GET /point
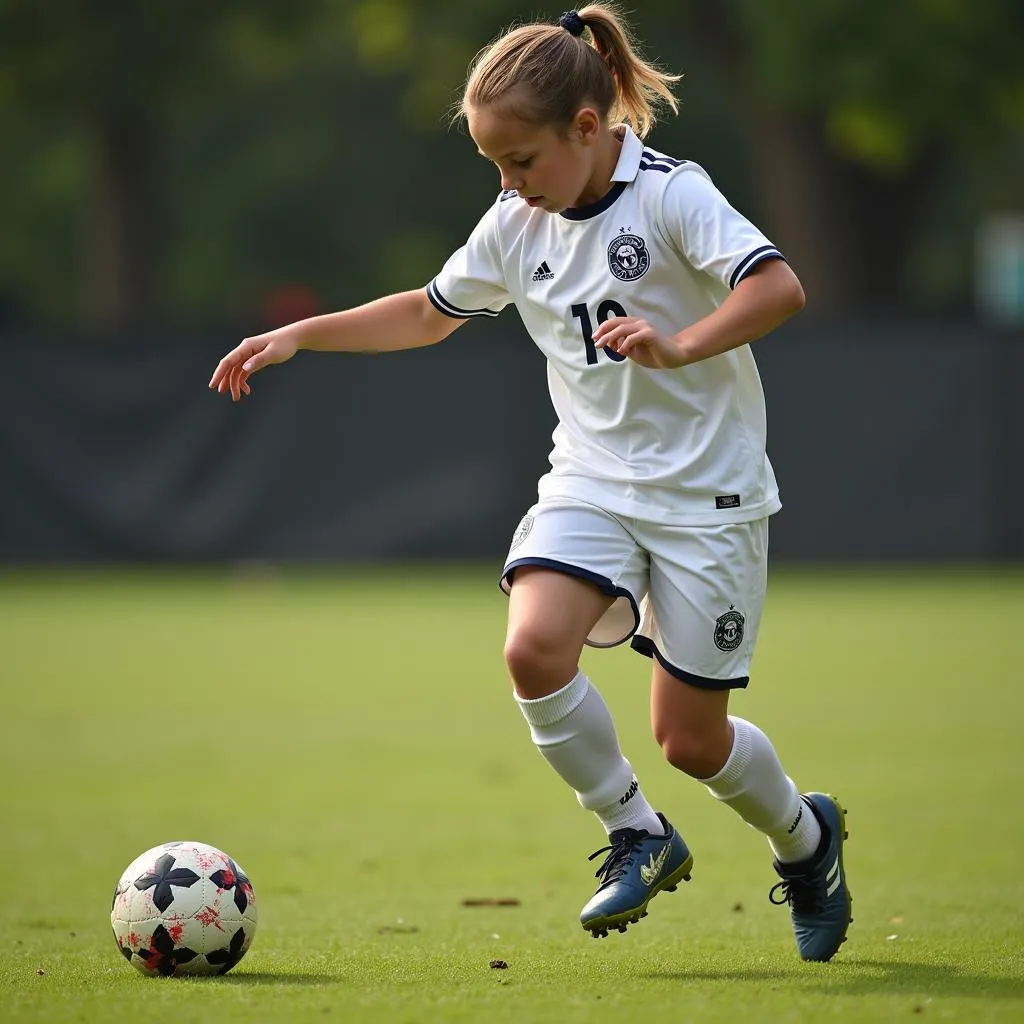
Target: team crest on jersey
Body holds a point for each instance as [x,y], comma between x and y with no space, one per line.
[628,258]
[729,630]
[522,532]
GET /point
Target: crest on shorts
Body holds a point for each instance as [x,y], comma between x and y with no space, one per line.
[729,630]
[628,258]
[522,531]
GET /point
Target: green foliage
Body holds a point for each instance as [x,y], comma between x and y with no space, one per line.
[350,739]
[64,56]
[889,78]
[285,132]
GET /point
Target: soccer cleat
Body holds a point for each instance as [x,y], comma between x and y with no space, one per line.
[637,867]
[820,904]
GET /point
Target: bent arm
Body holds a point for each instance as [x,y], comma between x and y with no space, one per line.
[768,295]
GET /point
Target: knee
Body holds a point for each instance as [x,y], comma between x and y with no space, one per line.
[700,754]
[539,661]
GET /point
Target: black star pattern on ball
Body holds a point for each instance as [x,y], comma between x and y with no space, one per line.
[163,956]
[227,958]
[163,877]
[232,878]
[118,889]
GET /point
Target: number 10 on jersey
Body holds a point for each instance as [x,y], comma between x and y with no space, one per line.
[607,309]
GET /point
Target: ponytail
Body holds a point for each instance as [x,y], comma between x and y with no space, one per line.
[640,87]
[543,74]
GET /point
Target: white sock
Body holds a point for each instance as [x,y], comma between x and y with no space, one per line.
[754,785]
[574,731]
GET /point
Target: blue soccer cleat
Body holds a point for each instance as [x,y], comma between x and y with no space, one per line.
[637,867]
[819,901]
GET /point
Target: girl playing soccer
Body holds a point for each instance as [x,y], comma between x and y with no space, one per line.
[643,288]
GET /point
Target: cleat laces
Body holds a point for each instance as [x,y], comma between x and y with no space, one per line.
[800,893]
[623,843]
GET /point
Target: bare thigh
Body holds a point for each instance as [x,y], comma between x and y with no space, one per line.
[691,724]
[550,615]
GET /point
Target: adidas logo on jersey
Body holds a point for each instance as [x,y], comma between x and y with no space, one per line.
[543,273]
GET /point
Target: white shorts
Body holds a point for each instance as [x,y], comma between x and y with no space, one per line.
[690,596]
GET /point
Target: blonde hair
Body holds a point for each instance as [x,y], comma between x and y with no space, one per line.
[543,74]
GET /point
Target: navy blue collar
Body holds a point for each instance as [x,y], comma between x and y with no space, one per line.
[593,209]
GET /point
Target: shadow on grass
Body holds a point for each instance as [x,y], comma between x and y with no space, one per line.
[860,977]
[274,978]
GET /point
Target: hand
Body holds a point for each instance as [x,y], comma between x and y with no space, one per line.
[235,369]
[636,338]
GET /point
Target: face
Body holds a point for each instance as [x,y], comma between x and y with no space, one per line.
[549,169]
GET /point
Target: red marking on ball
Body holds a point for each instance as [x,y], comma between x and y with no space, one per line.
[209,916]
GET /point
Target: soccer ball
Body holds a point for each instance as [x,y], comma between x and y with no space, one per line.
[183,908]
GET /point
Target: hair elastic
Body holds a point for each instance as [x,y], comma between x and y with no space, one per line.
[572,23]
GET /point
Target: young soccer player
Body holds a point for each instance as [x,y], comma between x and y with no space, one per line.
[643,287]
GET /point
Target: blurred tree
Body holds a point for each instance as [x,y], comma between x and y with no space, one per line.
[114,73]
[855,112]
[217,152]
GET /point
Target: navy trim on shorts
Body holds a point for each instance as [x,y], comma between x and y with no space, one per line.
[647,647]
[602,583]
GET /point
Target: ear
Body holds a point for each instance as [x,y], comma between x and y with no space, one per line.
[586,126]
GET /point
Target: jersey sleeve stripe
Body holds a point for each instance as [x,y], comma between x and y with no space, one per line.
[751,260]
[444,306]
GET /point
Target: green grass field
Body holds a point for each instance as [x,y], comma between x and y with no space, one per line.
[350,739]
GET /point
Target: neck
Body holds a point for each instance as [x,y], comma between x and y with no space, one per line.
[607,156]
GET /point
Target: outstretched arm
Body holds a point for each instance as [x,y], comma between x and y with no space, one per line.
[403,320]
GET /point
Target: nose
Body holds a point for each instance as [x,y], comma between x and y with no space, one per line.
[511,182]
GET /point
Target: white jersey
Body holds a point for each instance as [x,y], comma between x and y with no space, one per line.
[683,446]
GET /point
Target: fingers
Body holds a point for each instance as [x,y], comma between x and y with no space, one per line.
[622,334]
[237,355]
[607,327]
[232,379]
[237,383]
[236,367]
[257,359]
